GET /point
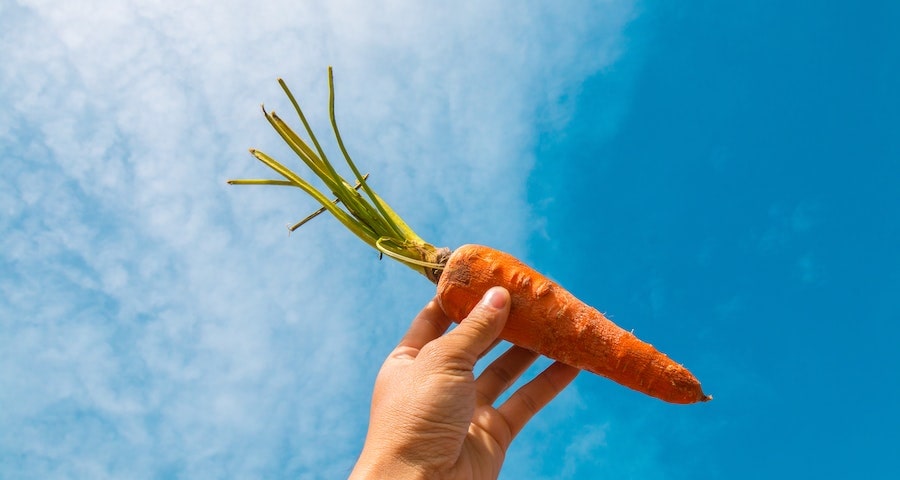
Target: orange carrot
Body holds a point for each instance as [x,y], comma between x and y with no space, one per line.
[547,319]
[544,318]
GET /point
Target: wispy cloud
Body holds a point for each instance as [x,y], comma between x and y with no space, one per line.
[154,321]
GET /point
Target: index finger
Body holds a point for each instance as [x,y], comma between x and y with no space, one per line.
[428,325]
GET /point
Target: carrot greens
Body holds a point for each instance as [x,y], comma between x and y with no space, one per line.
[365,214]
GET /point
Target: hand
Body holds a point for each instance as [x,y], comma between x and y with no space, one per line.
[431,418]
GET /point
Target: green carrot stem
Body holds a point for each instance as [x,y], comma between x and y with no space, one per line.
[369,217]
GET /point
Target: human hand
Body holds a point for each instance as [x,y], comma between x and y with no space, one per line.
[430,417]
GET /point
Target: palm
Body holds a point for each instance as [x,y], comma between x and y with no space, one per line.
[443,418]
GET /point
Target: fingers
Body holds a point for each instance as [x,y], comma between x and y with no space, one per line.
[428,325]
[490,347]
[478,331]
[502,373]
[534,395]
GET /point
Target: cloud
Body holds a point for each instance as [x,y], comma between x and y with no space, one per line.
[156,322]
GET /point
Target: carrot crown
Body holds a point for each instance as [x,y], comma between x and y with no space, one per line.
[368,216]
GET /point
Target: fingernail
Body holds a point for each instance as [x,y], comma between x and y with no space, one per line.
[495,297]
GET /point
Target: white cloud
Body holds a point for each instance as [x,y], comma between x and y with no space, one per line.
[154,321]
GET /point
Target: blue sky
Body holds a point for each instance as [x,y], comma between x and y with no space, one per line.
[720,178]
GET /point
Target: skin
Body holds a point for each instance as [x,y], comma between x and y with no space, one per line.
[548,319]
[431,418]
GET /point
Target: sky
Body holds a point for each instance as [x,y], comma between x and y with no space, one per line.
[722,179]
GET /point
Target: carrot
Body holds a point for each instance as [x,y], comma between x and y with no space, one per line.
[547,319]
[544,317]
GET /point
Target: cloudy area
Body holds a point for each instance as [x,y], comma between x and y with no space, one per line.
[158,323]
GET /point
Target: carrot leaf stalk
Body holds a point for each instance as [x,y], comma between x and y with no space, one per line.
[365,214]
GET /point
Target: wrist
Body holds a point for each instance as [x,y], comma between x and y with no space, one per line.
[385,466]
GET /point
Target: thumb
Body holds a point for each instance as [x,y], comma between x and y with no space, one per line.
[477,332]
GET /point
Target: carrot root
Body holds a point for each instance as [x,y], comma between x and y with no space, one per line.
[549,320]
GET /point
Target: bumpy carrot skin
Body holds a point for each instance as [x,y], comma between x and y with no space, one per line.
[547,319]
